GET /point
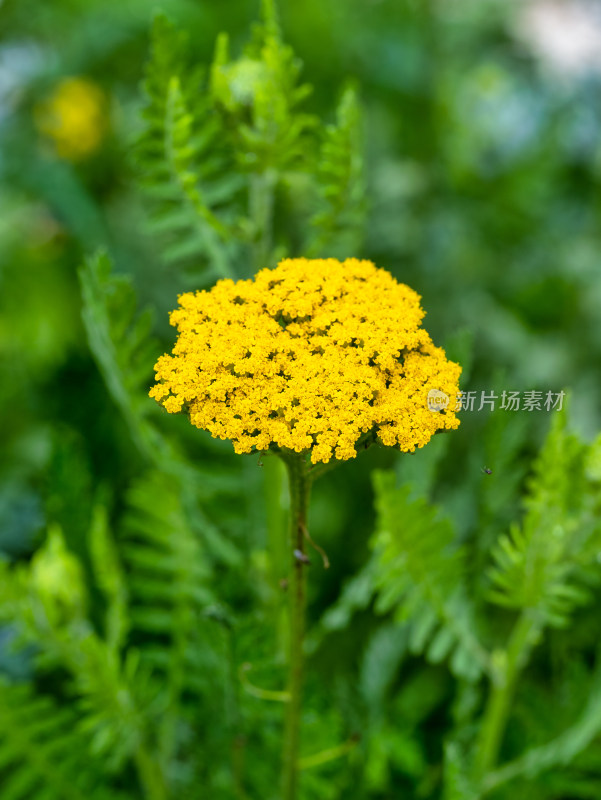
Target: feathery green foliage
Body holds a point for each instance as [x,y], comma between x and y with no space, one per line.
[124,351]
[181,157]
[157,648]
[544,569]
[540,566]
[110,578]
[215,153]
[47,604]
[420,575]
[139,576]
[562,750]
[419,571]
[168,573]
[338,228]
[42,754]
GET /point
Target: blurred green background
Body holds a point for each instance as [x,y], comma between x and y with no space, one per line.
[482,153]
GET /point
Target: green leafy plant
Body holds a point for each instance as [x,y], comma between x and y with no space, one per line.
[221,147]
[544,569]
[451,648]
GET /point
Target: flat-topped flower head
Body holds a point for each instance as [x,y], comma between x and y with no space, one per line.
[308,357]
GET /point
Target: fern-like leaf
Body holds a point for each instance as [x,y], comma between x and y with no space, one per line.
[183,163]
[120,342]
[46,601]
[125,353]
[110,579]
[541,566]
[275,137]
[562,750]
[261,92]
[337,229]
[169,575]
[420,576]
[42,754]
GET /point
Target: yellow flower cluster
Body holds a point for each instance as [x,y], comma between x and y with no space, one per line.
[74,117]
[307,356]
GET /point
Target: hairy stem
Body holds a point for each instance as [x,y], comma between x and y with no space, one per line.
[300,485]
[497,711]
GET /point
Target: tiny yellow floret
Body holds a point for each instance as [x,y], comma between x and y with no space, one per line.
[308,357]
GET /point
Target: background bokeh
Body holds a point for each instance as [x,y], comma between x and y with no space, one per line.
[483,168]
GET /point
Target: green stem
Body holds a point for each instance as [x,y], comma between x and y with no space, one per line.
[498,707]
[150,775]
[300,486]
[277,529]
[324,756]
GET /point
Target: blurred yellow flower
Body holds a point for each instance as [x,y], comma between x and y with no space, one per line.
[308,356]
[74,117]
